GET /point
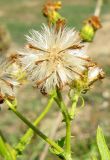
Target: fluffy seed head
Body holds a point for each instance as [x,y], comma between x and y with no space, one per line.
[54,58]
[6,81]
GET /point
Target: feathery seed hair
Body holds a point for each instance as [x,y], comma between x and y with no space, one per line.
[6,81]
[54,58]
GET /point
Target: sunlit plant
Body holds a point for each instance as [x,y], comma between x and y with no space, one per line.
[55,61]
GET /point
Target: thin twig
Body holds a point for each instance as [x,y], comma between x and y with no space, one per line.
[98,8]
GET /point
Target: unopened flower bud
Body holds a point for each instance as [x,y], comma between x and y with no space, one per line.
[50,10]
[91,25]
[87,33]
[54,17]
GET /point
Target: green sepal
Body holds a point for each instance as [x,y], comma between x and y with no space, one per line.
[55,18]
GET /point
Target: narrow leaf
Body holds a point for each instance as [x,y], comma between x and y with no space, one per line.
[102,146]
[6,151]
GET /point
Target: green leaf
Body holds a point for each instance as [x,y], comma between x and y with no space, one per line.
[61,143]
[6,151]
[102,146]
[94,158]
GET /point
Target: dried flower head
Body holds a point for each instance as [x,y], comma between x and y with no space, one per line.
[91,75]
[6,81]
[51,7]
[95,73]
[95,22]
[54,58]
[16,69]
[50,10]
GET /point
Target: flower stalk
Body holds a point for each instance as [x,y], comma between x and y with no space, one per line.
[74,105]
[25,140]
[68,139]
[67,120]
[37,131]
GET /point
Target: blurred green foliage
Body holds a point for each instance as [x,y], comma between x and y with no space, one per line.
[23,15]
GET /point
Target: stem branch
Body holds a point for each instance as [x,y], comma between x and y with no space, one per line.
[24,141]
[74,104]
[37,131]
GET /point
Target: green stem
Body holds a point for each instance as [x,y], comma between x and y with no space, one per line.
[74,104]
[38,132]
[24,141]
[67,120]
[68,138]
[2,136]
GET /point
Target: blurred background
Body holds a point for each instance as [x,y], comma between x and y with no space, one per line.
[17,17]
